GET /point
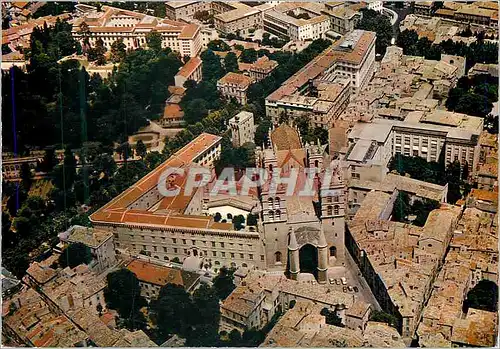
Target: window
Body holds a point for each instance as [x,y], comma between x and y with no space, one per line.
[184,241]
[174,241]
[175,250]
[154,248]
[164,249]
[277,203]
[262,257]
[222,244]
[194,242]
[333,251]
[251,256]
[270,201]
[213,244]
[232,255]
[336,209]
[271,215]
[277,257]
[241,255]
[214,253]
[329,210]
[223,254]
[165,258]
[144,247]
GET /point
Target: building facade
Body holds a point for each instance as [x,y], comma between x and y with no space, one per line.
[192,70]
[112,24]
[242,128]
[234,85]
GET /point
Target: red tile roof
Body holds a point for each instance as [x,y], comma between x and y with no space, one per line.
[190,67]
[118,211]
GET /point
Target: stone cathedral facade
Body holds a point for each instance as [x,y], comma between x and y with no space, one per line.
[301,233]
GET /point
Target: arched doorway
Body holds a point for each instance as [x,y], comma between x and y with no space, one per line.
[308,259]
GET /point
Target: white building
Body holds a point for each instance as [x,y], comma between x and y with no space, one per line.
[242,128]
[297,21]
[112,24]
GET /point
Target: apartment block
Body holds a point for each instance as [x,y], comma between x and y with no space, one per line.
[239,20]
[234,85]
[177,10]
[297,21]
[339,71]
[242,128]
[260,69]
[112,24]
[343,18]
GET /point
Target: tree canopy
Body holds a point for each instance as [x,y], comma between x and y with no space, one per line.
[483,296]
[74,255]
[123,293]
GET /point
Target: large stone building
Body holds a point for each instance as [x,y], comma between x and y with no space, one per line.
[293,228]
[291,235]
[322,88]
[297,21]
[112,24]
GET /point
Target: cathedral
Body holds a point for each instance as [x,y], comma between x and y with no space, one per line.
[301,233]
[297,232]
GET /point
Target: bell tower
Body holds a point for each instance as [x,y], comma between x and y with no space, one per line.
[333,194]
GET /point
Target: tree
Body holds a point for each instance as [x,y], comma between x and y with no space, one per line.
[96,54]
[331,317]
[231,62]
[140,149]
[154,39]
[74,255]
[124,150]
[483,296]
[379,23]
[238,222]
[153,159]
[203,16]
[173,310]
[123,293]
[205,324]
[401,207]
[118,52]
[223,283]
[252,219]
[218,45]
[381,316]
[248,55]
[212,69]
[217,217]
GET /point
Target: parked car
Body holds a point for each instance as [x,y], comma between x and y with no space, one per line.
[331,281]
[344,280]
[344,289]
[350,288]
[356,289]
[337,281]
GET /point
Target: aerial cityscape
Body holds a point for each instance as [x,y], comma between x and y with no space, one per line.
[243,174]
